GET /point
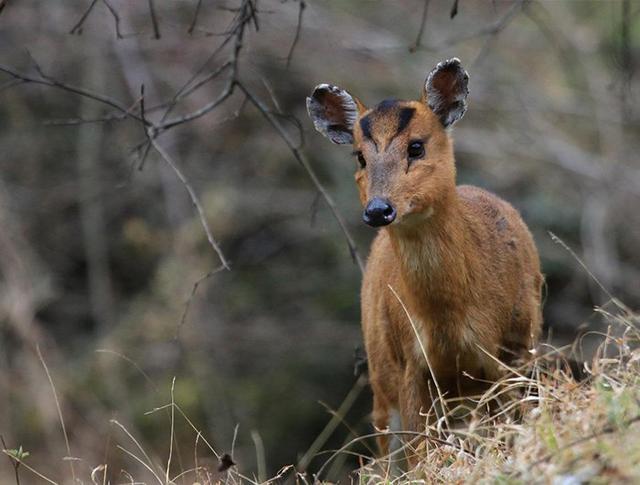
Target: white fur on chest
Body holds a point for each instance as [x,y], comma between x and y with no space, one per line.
[467,348]
[419,257]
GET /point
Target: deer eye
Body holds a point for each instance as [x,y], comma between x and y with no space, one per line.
[415,150]
[361,160]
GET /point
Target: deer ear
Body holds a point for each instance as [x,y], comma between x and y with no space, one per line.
[446,90]
[333,112]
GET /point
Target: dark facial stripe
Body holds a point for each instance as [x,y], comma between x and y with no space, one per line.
[386,105]
[365,126]
[404,117]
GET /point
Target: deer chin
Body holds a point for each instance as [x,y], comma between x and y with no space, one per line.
[416,216]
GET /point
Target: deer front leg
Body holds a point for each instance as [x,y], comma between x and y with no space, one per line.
[381,423]
[414,399]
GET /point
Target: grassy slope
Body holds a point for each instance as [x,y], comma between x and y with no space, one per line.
[547,428]
[570,432]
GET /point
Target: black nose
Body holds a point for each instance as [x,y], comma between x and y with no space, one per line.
[379,212]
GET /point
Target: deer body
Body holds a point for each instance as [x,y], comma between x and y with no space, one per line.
[453,280]
[464,304]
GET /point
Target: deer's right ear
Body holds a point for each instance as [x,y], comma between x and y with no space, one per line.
[333,112]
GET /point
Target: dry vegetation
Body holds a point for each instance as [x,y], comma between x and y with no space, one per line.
[554,422]
[560,430]
[115,323]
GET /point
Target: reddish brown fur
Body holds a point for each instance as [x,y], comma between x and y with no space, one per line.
[460,259]
[468,274]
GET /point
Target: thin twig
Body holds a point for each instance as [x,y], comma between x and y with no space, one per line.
[119,115]
[147,147]
[77,28]
[14,463]
[154,19]
[206,109]
[237,31]
[423,22]
[49,81]
[493,30]
[32,470]
[296,38]
[454,9]
[195,17]
[134,364]
[301,159]
[194,200]
[116,18]
[497,26]
[194,289]
[245,15]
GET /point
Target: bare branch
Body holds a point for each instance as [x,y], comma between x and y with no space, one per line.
[194,289]
[246,14]
[228,91]
[490,29]
[252,12]
[3,4]
[301,159]
[146,133]
[154,19]
[195,17]
[49,81]
[77,28]
[454,9]
[119,116]
[14,463]
[116,18]
[423,22]
[194,200]
[296,38]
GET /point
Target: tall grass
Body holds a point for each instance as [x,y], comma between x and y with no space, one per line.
[559,418]
[550,423]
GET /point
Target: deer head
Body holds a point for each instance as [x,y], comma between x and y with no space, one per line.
[405,170]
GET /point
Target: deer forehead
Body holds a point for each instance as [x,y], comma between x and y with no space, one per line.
[391,119]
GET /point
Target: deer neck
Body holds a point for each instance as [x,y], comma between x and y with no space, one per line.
[433,254]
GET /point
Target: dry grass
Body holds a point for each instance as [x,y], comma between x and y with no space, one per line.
[546,427]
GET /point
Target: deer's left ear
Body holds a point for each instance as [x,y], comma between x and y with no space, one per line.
[333,112]
[446,90]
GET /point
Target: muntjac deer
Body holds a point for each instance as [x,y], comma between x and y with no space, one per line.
[453,279]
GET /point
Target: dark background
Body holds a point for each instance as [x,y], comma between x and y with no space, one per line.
[98,259]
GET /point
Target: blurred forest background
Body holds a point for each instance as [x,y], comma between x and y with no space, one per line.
[101,246]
